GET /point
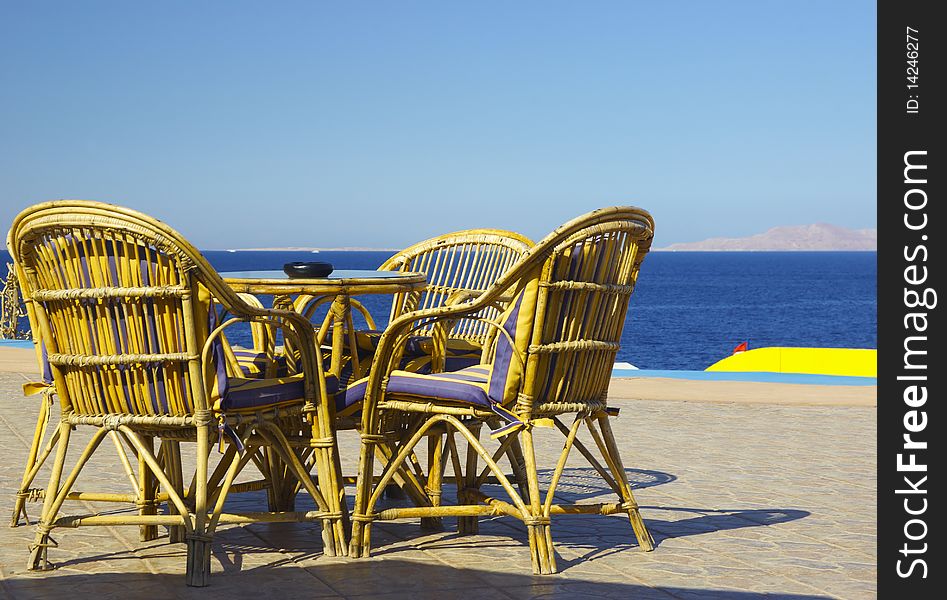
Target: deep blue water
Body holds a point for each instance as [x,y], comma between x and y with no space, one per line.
[691,308]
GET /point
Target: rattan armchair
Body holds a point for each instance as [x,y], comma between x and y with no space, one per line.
[262,360]
[133,317]
[552,356]
[457,266]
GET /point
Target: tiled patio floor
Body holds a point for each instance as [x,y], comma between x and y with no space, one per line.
[743,500]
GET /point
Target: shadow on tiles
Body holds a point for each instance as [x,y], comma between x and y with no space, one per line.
[344,578]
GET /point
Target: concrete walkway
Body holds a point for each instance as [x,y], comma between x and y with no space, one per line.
[745,497]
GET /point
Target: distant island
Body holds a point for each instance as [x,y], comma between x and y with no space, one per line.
[818,236]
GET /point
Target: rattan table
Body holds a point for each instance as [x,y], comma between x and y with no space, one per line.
[305,295]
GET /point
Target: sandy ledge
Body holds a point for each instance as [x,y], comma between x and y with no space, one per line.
[18,360]
[742,392]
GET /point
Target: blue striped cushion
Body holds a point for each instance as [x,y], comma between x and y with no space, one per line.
[242,393]
[255,394]
[468,386]
[47,368]
[417,345]
[419,364]
[422,364]
[517,322]
[253,363]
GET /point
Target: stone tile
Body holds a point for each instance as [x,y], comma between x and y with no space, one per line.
[568,590]
[371,576]
[458,594]
[743,501]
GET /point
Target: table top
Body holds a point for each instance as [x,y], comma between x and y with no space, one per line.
[350,281]
[334,275]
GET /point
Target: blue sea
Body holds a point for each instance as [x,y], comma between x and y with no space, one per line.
[691,309]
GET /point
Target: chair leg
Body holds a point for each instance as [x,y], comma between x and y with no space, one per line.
[435,472]
[393,491]
[174,469]
[406,480]
[272,477]
[199,541]
[538,525]
[33,459]
[469,525]
[324,493]
[359,543]
[56,495]
[515,455]
[147,489]
[327,489]
[295,466]
[367,493]
[38,550]
[613,460]
[198,560]
[280,495]
[338,482]
[332,481]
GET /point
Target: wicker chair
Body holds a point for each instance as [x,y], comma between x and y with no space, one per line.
[553,356]
[457,266]
[131,317]
[262,360]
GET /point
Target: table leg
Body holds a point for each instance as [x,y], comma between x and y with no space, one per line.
[339,310]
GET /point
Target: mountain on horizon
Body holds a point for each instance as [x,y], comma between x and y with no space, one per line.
[818,236]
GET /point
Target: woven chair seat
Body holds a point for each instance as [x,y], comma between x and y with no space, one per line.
[419,345]
[468,386]
[253,363]
[418,354]
[253,394]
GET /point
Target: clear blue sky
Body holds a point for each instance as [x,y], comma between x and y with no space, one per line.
[382,123]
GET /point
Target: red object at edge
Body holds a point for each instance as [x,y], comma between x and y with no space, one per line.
[741,348]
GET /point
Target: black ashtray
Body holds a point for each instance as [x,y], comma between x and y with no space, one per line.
[307,269]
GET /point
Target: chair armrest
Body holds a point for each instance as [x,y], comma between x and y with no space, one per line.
[296,328]
[442,328]
[463,306]
[366,314]
[263,335]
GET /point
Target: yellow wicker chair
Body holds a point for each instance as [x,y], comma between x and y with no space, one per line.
[262,360]
[128,311]
[457,266]
[553,356]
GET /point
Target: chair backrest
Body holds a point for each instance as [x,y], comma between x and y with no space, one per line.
[121,303]
[562,331]
[457,265]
